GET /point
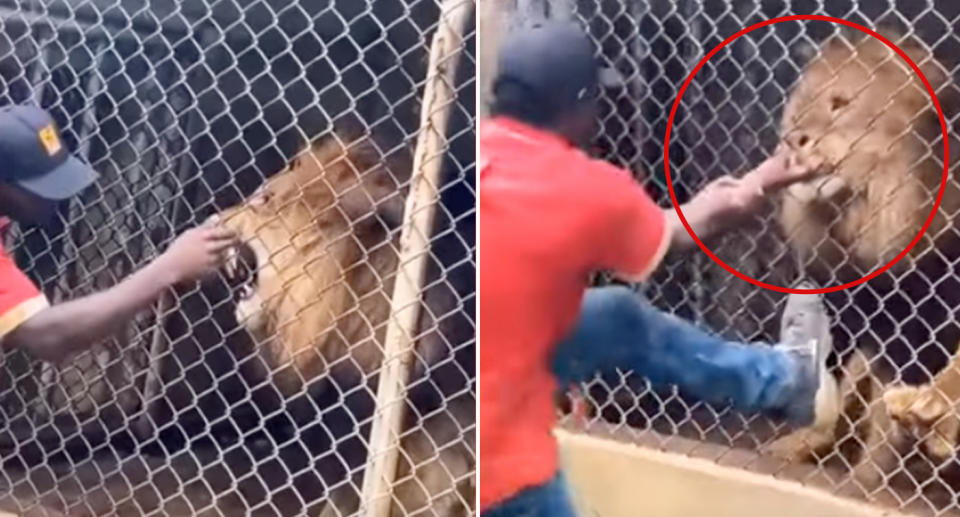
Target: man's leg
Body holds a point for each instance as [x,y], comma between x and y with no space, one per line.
[548,500]
[618,328]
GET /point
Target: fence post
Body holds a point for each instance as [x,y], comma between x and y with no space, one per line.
[438,98]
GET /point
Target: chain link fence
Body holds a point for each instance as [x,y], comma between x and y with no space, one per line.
[299,125]
[893,446]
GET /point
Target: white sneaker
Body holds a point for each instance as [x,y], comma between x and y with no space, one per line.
[805,335]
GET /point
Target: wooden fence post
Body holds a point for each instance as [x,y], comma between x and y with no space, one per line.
[438,99]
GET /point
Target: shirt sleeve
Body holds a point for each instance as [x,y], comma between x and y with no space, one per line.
[20,299]
[635,231]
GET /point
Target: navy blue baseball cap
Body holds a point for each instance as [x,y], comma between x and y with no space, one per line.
[553,61]
[34,157]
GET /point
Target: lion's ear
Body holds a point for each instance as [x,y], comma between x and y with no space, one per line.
[893,30]
[914,48]
[836,44]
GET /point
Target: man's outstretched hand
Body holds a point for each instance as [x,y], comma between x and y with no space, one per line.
[783,169]
[723,199]
[727,200]
[197,253]
[728,197]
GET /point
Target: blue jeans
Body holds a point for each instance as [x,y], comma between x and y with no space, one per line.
[618,328]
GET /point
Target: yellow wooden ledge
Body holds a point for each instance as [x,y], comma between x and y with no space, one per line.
[615,479]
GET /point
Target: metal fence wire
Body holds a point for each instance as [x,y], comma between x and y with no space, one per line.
[295,124]
[895,335]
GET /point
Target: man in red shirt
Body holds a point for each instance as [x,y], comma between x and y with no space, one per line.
[36,173]
[549,217]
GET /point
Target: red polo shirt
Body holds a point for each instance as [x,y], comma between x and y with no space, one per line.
[20,300]
[549,217]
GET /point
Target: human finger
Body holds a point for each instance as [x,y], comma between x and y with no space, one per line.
[219,234]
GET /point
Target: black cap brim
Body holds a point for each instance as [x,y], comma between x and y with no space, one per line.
[69,179]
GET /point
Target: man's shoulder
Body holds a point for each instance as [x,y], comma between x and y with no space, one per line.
[528,155]
[599,178]
[604,169]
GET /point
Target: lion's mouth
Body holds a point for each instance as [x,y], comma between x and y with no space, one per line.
[824,188]
[241,271]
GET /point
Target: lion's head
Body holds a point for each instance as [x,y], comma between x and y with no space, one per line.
[862,110]
[319,256]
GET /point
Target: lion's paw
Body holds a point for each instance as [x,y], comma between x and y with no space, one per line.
[804,445]
[915,405]
[927,414]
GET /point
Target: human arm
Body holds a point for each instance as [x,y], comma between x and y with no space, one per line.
[61,330]
[711,210]
[727,200]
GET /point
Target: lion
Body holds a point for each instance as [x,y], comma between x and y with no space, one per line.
[317,261]
[314,276]
[863,112]
[859,109]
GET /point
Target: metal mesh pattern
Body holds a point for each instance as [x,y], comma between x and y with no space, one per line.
[193,109]
[898,329]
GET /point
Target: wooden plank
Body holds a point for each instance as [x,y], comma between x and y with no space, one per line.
[615,479]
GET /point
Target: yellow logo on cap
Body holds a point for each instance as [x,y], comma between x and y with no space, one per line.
[50,140]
